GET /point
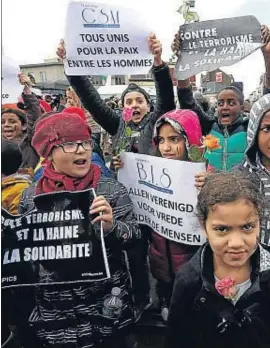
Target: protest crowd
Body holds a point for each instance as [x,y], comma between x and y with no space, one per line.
[95,248]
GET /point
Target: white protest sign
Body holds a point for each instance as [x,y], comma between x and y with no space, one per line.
[164,196]
[106,40]
[11,88]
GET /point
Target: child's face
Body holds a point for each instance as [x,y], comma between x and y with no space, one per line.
[232,230]
[138,103]
[264,136]
[74,164]
[11,126]
[171,144]
[229,107]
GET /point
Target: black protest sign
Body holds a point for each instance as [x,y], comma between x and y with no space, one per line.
[55,243]
[206,46]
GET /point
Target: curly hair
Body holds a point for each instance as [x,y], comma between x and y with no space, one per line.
[222,188]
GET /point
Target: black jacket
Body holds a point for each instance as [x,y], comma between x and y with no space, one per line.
[30,158]
[200,317]
[112,122]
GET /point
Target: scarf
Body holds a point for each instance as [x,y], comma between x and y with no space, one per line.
[52,181]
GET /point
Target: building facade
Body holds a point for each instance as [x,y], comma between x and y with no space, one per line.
[213,82]
[52,70]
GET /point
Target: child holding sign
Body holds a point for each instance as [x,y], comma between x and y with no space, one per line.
[221,297]
[79,306]
[134,97]
[174,134]
[230,125]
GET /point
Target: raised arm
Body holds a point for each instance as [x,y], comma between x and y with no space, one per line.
[163,81]
[185,94]
[32,106]
[266,55]
[106,117]
[187,101]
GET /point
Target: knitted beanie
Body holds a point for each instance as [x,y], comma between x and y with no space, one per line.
[57,129]
[132,87]
[76,110]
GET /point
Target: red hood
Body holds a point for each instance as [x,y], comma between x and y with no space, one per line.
[187,120]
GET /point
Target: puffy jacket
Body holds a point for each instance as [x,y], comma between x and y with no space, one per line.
[71,315]
[12,189]
[232,138]
[166,256]
[252,163]
[200,317]
[112,122]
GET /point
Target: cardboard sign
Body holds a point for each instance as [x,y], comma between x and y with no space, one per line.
[105,40]
[209,45]
[163,195]
[55,243]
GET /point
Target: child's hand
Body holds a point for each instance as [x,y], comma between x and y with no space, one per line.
[155,47]
[61,50]
[200,179]
[101,207]
[265,40]
[117,162]
[176,45]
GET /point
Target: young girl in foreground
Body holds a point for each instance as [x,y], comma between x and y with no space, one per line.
[221,297]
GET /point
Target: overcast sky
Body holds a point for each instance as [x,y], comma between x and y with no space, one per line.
[31,29]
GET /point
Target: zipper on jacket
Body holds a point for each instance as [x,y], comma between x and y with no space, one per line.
[224,153]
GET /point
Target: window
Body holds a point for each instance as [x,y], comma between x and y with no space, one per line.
[43,77]
[120,80]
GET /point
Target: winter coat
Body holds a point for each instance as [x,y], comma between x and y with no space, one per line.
[12,189]
[200,317]
[112,122]
[166,256]
[29,156]
[71,315]
[252,164]
[232,138]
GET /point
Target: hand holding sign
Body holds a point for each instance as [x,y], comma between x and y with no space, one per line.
[266,40]
[176,45]
[156,49]
[200,180]
[117,162]
[101,207]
